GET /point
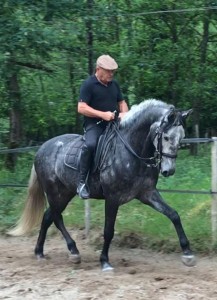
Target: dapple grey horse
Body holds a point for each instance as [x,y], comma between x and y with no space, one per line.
[144,143]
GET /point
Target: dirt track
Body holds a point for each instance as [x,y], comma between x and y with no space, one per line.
[138,274]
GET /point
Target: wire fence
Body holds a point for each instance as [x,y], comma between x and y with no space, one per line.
[186,141]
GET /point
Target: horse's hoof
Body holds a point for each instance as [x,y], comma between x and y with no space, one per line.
[106,267]
[75,258]
[40,257]
[189,260]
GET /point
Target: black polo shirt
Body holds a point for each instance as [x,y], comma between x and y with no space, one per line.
[99,96]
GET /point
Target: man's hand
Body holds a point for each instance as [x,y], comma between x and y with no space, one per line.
[108,115]
[86,110]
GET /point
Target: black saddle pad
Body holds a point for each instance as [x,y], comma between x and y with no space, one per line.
[72,156]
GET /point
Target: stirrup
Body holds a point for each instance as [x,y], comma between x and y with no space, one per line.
[82,191]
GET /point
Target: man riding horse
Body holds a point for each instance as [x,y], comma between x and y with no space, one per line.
[100,97]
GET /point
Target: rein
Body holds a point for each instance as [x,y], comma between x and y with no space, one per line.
[156,159]
[149,161]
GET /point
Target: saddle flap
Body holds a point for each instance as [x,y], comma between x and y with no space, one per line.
[72,156]
[105,148]
[103,156]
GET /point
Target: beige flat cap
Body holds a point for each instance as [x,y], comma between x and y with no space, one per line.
[106,62]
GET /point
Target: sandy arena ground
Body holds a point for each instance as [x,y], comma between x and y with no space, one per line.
[138,274]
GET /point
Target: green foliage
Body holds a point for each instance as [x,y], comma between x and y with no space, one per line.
[196,168]
[4,129]
[162,49]
[22,170]
[11,203]
[12,198]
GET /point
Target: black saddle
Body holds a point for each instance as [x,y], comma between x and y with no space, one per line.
[104,152]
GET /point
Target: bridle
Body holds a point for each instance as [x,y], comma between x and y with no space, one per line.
[164,126]
[159,134]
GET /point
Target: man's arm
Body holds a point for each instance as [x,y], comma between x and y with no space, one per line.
[123,108]
[88,111]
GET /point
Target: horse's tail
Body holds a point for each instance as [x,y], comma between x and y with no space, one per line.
[34,207]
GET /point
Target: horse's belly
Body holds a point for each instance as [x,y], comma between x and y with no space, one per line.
[127,184]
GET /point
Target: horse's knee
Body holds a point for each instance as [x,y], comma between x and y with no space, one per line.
[174,217]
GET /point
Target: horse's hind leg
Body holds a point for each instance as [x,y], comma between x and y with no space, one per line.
[58,199]
[46,222]
[58,221]
[156,202]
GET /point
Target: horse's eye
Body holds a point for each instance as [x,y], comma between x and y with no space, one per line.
[166,138]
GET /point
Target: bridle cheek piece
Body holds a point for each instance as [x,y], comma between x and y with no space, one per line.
[159,152]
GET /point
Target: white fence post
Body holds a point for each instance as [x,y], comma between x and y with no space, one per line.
[214,189]
[87,217]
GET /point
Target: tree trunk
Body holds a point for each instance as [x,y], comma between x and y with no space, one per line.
[15,119]
[172,93]
[90,38]
[77,118]
[202,77]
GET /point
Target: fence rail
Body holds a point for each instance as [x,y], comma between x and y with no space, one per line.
[18,150]
[184,141]
[27,149]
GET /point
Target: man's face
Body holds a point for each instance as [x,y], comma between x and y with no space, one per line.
[105,75]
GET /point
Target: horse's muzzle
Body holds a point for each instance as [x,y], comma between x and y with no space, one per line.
[167,173]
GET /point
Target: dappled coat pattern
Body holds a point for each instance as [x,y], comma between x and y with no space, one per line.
[146,143]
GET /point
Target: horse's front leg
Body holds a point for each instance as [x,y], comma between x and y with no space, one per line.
[155,200]
[111,210]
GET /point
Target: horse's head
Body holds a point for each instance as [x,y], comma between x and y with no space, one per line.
[166,135]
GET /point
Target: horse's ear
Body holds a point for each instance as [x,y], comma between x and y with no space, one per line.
[170,115]
[186,113]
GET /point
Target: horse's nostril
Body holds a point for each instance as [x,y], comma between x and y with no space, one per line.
[165,173]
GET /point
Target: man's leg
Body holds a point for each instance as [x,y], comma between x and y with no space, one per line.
[85,162]
[91,138]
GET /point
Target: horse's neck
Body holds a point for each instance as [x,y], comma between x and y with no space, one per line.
[137,132]
[139,139]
